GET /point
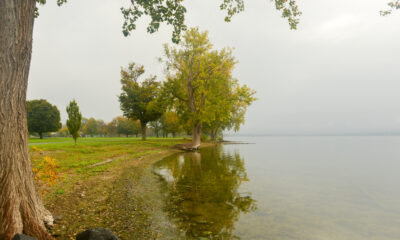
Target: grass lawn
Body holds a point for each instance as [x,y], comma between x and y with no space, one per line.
[88,196]
[75,161]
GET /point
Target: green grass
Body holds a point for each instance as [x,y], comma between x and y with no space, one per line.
[89,151]
[74,161]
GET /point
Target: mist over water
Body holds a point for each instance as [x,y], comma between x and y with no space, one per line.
[296,188]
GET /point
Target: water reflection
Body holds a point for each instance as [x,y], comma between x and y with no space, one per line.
[202,192]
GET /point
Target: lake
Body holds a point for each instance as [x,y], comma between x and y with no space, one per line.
[278,188]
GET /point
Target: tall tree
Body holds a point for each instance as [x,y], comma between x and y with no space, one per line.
[20,206]
[140,100]
[197,75]
[42,117]
[74,120]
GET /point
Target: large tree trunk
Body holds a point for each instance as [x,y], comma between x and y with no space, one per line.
[21,210]
[143,128]
[196,136]
[41,135]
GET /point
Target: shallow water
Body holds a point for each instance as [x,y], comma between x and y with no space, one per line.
[311,188]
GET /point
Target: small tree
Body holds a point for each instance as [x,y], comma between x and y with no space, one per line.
[126,126]
[111,128]
[74,120]
[140,100]
[172,123]
[42,117]
[156,125]
[101,127]
[63,132]
[91,127]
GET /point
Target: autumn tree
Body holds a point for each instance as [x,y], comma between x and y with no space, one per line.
[42,117]
[172,123]
[111,128]
[74,120]
[126,126]
[196,76]
[20,207]
[140,100]
[91,127]
[230,107]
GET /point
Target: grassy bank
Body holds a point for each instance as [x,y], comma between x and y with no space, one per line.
[105,182]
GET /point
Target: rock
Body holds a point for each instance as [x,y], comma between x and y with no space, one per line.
[19,236]
[48,219]
[96,234]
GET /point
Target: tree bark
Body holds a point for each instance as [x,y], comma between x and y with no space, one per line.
[143,128]
[196,136]
[21,210]
[41,135]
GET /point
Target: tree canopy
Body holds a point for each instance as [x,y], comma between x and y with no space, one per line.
[393,5]
[140,100]
[42,117]
[172,12]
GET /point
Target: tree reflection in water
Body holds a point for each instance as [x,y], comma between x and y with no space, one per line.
[202,194]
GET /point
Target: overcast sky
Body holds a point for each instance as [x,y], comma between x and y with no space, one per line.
[338,73]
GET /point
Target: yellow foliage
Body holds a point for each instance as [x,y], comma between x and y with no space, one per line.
[46,173]
[35,149]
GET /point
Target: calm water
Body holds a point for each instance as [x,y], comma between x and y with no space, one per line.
[309,188]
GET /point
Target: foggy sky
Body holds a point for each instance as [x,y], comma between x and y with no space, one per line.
[337,74]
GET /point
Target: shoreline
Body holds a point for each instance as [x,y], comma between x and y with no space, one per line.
[124,198]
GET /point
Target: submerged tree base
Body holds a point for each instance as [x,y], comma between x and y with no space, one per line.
[187,147]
